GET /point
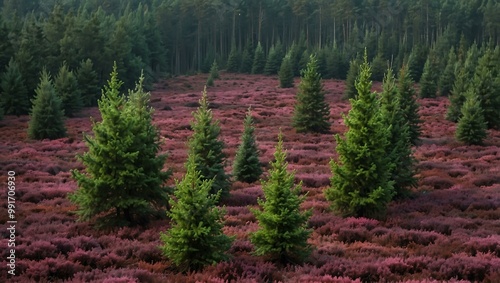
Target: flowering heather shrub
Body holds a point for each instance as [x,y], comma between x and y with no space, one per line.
[85,243]
[39,250]
[464,267]
[490,244]
[403,238]
[351,235]
[55,268]
[438,182]
[316,205]
[486,180]
[130,275]
[239,269]
[239,199]
[319,219]
[241,245]
[313,180]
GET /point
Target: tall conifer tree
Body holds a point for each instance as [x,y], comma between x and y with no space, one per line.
[14,96]
[67,88]
[471,127]
[247,166]
[408,103]
[259,60]
[286,73]
[88,83]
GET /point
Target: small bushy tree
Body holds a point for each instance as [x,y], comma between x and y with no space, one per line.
[233,61]
[14,96]
[273,62]
[214,71]
[379,66]
[67,88]
[471,127]
[448,77]
[47,115]
[429,79]
[286,73]
[409,105]
[457,97]
[195,238]
[247,58]
[207,149]
[352,74]
[247,166]
[311,112]
[282,234]
[361,185]
[123,182]
[88,83]
[259,60]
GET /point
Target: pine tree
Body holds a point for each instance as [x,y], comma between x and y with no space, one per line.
[448,77]
[416,62]
[399,146]
[487,88]
[379,66]
[361,185]
[247,166]
[206,147]
[47,116]
[14,99]
[471,127]
[286,73]
[282,233]
[195,238]
[350,82]
[88,83]
[233,61]
[67,88]
[457,97]
[210,81]
[273,62]
[259,60]
[311,112]
[214,71]
[429,80]
[123,182]
[247,59]
[409,105]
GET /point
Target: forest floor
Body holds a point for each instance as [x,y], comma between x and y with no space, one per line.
[448,230]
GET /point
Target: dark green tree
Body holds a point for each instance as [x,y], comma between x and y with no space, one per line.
[195,238]
[471,127]
[379,66]
[123,182]
[207,149]
[234,60]
[429,80]
[67,88]
[457,97]
[487,88]
[286,72]
[273,62]
[361,185]
[14,96]
[210,81]
[416,61]
[214,71]
[311,113]
[448,77]
[247,166]
[399,146]
[47,115]
[409,106]
[282,234]
[352,74]
[88,83]
[247,58]
[259,60]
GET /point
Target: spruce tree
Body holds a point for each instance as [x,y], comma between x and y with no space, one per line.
[429,80]
[448,77]
[233,61]
[352,74]
[409,105]
[399,147]
[247,59]
[67,88]
[471,127]
[286,72]
[259,60]
[47,115]
[207,149]
[195,238]
[416,62]
[247,166]
[487,88]
[88,83]
[379,66]
[361,185]
[123,182]
[282,234]
[14,96]
[273,62]
[214,71]
[457,97]
[311,113]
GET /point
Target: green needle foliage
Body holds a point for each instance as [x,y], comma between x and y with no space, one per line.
[350,82]
[408,103]
[311,111]
[195,238]
[361,185]
[259,60]
[448,77]
[47,116]
[207,149]
[471,127]
[282,234]
[14,99]
[457,97]
[67,88]
[214,71]
[429,79]
[286,72]
[274,59]
[88,83]
[123,182]
[247,166]
[487,88]
[233,61]
[399,146]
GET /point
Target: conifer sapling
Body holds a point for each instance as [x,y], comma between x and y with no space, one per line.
[247,166]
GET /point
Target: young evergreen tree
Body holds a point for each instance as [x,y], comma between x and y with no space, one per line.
[88,83]
[210,81]
[207,149]
[448,77]
[67,88]
[471,127]
[399,146]
[259,60]
[361,185]
[409,105]
[379,66]
[233,61]
[195,238]
[311,113]
[457,97]
[350,82]
[123,182]
[416,62]
[429,80]
[14,96]
[273,62]
[47,115]
[247,166]
[487,88]
[286,72]
[247,59]
[282,234]
[214,71]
